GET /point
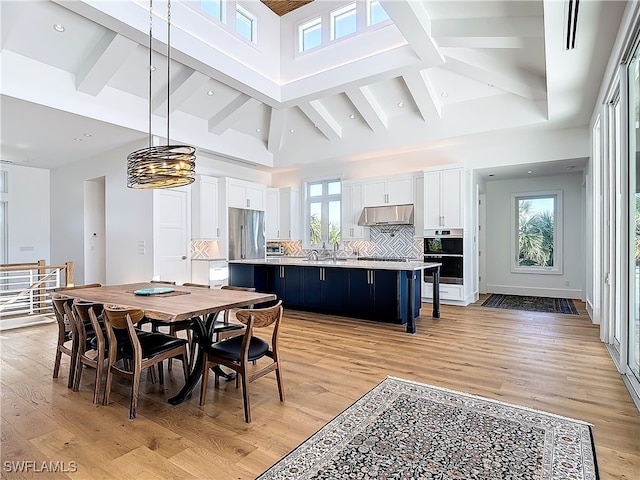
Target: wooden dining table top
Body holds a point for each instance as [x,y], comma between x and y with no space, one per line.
[181,304]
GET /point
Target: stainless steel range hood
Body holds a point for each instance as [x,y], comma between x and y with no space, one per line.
[387,215]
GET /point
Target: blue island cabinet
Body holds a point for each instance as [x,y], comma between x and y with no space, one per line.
[324,289]
[372,294]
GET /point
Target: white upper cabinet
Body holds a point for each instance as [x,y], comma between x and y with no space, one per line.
[282,214]
[242,194]
[395,190]
[352,204]
[204,208]
[444,198]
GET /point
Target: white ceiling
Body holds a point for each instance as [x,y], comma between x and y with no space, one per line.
[458,68]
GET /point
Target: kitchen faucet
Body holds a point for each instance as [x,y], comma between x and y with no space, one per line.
[335,251]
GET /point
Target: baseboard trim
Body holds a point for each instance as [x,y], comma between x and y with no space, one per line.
[535,291]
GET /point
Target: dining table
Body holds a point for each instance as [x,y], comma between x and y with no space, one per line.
[173,303]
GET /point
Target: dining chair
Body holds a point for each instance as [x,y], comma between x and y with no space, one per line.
[225,327]
[143,350]
[243,353]
[65,344]
[92,346]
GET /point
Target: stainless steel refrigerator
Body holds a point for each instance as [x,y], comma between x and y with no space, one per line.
[246,234]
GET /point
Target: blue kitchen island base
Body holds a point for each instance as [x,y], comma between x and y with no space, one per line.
[352,289]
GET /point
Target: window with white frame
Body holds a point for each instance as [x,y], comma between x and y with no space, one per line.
[246,23]
[343,21]
[310,35]
[323,212]
[537,225]
[375,13]
[212,7]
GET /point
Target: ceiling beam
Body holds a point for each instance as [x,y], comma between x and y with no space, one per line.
[276,129]
[322,119]
[103,63]
[186,83]
[424,94]
[369,107]
[414,22]
[489,70]
[498,32]
[230,113]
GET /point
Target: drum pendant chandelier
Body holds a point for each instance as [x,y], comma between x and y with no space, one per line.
[163,166]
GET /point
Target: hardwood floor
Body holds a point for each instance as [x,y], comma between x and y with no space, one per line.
[554,363]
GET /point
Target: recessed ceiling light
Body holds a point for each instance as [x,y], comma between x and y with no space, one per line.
[58,28]
[152,68]
[210,93]
[292,131]
[352,116]
[400,104]
[529,172]
[444,94]
[491,85]
[78,139]
[258,130]
[87,135]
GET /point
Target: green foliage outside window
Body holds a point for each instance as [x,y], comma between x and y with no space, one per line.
[535,236]
[315,231]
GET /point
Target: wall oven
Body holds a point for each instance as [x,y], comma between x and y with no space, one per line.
[445,247]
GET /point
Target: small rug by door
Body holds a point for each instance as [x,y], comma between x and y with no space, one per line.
[531,304]
[403,429]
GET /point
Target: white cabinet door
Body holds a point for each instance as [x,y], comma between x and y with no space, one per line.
[444,198]
[204,208]
[375,192]
[432,217]
[399,191]
[272,214]
[388,191]
[352,204]
[242,194]
[452,198]
[236,195]
[289,225]
[256,197]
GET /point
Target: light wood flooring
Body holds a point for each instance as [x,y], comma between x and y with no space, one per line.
[554,363]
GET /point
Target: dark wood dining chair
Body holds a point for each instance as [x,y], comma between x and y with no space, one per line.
[243,353]
[92,347]
[65,343]
[225,327]
[143,350]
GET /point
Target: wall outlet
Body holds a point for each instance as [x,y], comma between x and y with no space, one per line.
[566,284]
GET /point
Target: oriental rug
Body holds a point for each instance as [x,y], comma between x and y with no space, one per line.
[531,304]
[407,430]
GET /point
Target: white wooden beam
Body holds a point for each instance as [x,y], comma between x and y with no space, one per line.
[276,129]
[183,87]
[322,119]
[230,113]
[489,70]
[414,22]
[369,107]
[424,94]
[513,32]
[103,63]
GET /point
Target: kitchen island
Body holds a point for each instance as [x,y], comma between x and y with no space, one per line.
[369,289]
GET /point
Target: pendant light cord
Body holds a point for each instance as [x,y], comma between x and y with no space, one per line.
[150,64]
[168,64]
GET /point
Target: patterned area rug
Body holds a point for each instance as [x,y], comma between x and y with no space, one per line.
[407,430]
[531,304]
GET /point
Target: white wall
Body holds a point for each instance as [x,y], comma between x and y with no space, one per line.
[499,278]
[28,222]
[128,218]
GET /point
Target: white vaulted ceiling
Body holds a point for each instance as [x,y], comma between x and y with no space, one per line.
[456,67]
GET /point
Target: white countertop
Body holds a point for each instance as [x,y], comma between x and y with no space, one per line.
[340,263]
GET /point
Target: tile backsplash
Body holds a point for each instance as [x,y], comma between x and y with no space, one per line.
[385,241]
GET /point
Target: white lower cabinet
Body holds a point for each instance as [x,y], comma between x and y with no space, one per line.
[447,291]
